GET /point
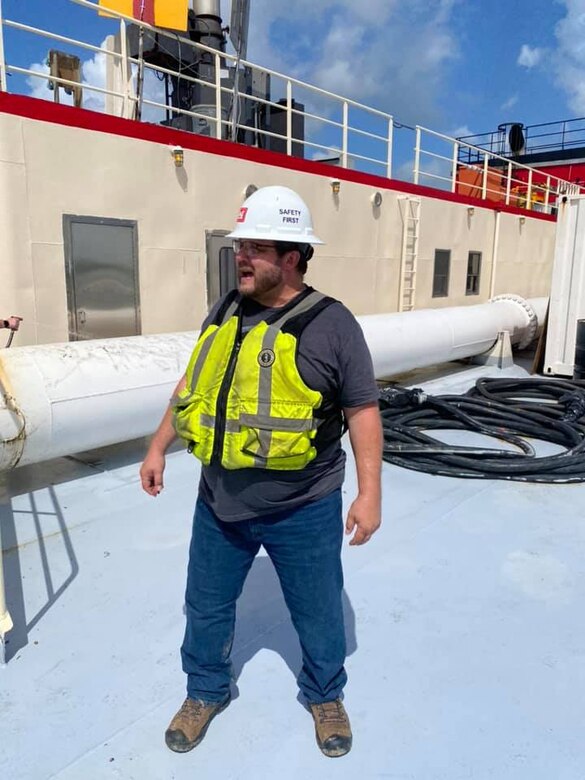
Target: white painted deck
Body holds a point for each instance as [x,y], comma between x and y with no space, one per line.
[466,637]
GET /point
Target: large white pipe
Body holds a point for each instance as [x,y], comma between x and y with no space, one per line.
[402,341]
[65,398]
[59,399]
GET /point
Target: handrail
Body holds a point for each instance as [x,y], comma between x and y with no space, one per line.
[561,130]
[344,127]
[57,37]
[528,189]
[63,82]
[355,138]
[477,149]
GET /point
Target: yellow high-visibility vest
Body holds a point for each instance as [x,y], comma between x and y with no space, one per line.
[245,404]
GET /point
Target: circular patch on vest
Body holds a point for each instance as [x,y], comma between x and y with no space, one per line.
[266,358]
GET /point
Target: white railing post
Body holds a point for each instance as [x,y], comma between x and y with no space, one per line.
[495,251]
[344,134]
[127,110]
[484,177]
[6,623]
[547,194]
[508,184]
[218,124]
[390,145]
[3,84]
[529,191]
[417,154]
[289,117]
[455,160]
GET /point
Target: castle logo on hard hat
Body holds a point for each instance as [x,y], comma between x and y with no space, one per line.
[242,214]
[266,358]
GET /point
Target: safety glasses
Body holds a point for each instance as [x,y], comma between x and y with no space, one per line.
[251,248]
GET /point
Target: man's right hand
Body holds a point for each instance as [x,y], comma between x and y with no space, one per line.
[151,473]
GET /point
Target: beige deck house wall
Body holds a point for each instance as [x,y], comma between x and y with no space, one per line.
[48,170]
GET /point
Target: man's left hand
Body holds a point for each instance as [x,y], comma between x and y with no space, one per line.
[365,516]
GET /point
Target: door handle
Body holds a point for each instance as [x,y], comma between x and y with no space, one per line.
[81,316]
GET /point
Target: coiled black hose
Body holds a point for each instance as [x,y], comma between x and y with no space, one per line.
[509,410]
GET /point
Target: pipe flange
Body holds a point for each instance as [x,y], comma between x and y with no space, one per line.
[532,326]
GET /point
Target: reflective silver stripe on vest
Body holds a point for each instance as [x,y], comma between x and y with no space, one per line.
[276,423]
[265,379]
[207,420]
[256,421]
[202,357]
[230,311]
[306,304]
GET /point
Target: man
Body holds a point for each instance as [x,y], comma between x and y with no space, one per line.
[276,370]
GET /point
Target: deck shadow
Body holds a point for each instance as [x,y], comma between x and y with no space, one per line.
[17,638]
[263,621]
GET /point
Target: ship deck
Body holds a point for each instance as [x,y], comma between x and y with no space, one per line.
[466,650]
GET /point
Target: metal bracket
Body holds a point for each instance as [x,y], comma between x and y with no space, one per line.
[500,355]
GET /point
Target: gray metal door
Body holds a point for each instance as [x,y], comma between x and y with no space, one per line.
[221,266]
[101,257]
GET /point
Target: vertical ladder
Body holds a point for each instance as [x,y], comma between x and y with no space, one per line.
[410,212]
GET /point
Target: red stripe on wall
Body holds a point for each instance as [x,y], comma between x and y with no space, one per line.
[45,111]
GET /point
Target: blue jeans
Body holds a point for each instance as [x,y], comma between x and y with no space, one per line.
[304,545]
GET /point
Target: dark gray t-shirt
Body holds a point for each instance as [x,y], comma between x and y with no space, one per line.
[332,358]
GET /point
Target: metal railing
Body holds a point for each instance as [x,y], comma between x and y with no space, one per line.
[346,132]
[355,121]
[494,177]
[559,136]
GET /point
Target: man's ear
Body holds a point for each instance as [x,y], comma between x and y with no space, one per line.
[293,258]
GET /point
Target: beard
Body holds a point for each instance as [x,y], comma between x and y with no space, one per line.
[260,282]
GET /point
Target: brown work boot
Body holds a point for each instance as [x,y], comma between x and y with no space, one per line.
[332,728]
[190,724]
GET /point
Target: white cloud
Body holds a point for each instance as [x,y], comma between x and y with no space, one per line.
[569,59]
[39,87]
[460,132]
[529,57]
[509,103]
[385,53]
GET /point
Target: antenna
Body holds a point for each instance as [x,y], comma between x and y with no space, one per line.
[239,22]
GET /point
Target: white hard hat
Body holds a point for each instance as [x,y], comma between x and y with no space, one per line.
[275,214]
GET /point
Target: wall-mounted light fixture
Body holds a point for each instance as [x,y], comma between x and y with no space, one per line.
[250,190]
[376,199]
[335,186]
[470,211]
[521,220]
[178,155]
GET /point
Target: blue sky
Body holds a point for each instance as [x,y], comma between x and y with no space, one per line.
[456,66]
